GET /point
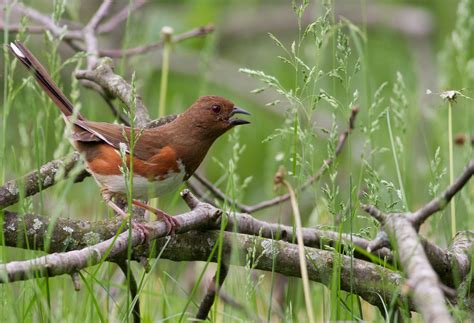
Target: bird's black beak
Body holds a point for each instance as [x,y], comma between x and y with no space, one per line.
[236,122]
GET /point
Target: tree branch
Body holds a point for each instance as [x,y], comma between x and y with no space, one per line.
[440,202]
[118,53]
[99,15]
[114,84]
[89,33]
[312,237]
[368,280]
[133,287]
[213,288]
[45,20]
[285,197]
[38,180]
[120,17]
[423,281]
[48,175]
[75,235]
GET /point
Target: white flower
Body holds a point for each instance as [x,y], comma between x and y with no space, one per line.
[37,224]
[449,95]
[68,229]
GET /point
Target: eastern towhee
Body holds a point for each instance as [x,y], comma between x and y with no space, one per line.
[163,157]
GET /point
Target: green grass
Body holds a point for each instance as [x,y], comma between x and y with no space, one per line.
[390,159]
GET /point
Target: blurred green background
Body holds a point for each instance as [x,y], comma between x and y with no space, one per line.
[429,42]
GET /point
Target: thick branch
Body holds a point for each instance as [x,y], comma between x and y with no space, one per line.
[47,176]
[422,279]
[312,237]
[104,75]
[74,236]
[419,257]
[368,280]
[38,180]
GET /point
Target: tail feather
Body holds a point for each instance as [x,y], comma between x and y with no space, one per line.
[43,79]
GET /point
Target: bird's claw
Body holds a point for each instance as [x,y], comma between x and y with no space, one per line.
[142,229]
[171,223]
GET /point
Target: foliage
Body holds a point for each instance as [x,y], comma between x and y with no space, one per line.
[309,76]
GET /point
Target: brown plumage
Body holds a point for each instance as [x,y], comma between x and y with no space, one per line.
[163,156]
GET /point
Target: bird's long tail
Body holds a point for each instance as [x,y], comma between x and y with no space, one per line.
[43,79]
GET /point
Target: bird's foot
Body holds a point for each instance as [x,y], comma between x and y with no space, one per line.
[142,229]
[171,223]
[107,196]
[122,215]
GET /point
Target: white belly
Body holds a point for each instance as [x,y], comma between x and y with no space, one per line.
[142,187]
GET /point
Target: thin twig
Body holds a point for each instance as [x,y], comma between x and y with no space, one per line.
[113,22]
[88,35]
[440,202]
[38,17]
[285,197]
[92,46]
[380,241]
[76,281]
[375,213]
[199,192]
[99,15]
[108,100]
[117,53]
[226,298]
[133,287]
[17,28]
[213,288]
[218,193]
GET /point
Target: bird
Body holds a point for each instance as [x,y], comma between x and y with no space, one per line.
[163,157]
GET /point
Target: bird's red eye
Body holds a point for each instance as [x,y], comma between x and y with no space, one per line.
[216,108]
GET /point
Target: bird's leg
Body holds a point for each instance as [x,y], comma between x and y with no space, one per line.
[107,196]
[171,222]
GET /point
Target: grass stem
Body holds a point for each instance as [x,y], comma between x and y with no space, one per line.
[395,159]
[167,33]
[301,252]
[451,167]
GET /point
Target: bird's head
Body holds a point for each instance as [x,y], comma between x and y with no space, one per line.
[214,115]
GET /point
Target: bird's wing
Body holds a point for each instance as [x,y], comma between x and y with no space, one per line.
[145,147]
